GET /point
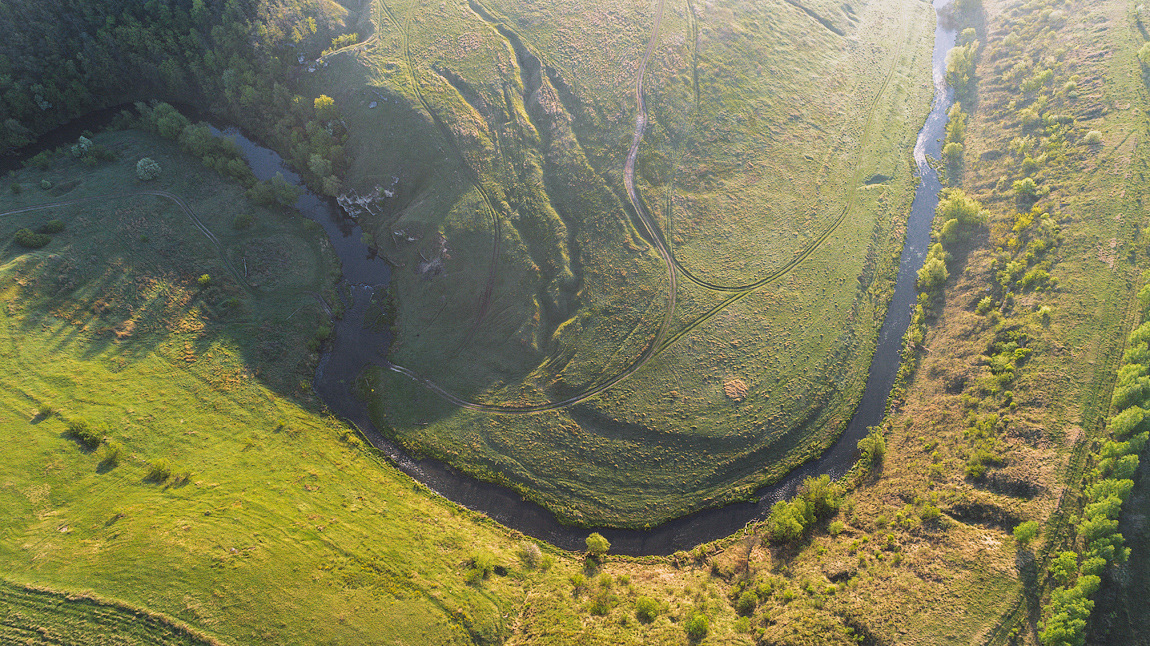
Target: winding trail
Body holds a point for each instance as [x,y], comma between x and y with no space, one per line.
[657,344]
[661,342]
[199,224]
[484,305]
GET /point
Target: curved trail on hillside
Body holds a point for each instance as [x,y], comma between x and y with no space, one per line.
[199,224]
[656,344]
[660,342]
[484,305]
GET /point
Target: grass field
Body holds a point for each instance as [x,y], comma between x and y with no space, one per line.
[37,616]
[276,523]
[775,164]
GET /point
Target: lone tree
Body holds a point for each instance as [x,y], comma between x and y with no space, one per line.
[147,169]
[324,107]
[597,545]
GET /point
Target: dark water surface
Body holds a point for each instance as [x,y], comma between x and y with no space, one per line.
[356,347]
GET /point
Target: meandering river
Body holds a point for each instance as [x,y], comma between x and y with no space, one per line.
[355,347]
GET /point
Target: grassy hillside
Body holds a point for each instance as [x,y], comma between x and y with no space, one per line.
[773,170]
[206,488]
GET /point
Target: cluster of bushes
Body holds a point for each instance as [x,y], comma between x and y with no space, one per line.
[748,593]
[1099,542]
[89,152]
[29,239]
[341,41]
[1022,258]
[818,498]
[87,435]
[95,438]
[960,215]
[982,433]
[952,146]
[960,62]
[221,154]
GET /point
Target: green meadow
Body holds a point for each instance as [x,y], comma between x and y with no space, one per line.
[774,168]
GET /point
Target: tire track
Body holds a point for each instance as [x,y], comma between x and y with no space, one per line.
[484,305]
[660,342]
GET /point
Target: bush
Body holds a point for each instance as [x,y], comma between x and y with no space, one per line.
[147,169]
[29,240]
[85,433]
[16,188]
[873,447]
[603,602]
[205,280]
[1093,138]
[530,555]
[243,221]
[45,184]
[1026,532]
[159,471]
[646,609]
[483,563]
[579,582]
[111,453]
[747,602]
[41,161]
[597,545]
[52,226]
[697,626]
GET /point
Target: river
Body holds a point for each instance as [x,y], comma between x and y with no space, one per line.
[355,347]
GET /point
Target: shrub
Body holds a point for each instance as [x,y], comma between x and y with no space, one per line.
[147,169]
[646,609]
[243,221]
[1093,138]
[45,410]
[530,555]
[52,226]
[42,160]
[836,528]
[159,471]
[1026,532]
[873,447]
[747,602]
[697,626]
[483,563]
[85,433]
[111,453]
[16,188]
[579,582]
[603,602]
[597,545]
[29,240]
[45,184]
[205,280]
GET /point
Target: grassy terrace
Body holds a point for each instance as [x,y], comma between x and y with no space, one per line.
[775,165]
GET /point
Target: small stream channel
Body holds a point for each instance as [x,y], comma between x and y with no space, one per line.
[355,347]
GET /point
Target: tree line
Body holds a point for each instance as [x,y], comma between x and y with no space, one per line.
[234,58]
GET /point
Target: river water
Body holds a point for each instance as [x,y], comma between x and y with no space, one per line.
[355,347]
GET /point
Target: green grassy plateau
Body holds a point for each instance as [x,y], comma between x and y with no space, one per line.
[774,170]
